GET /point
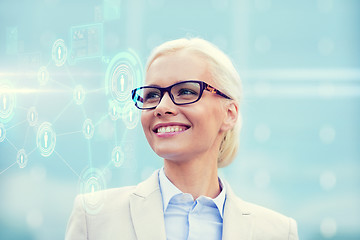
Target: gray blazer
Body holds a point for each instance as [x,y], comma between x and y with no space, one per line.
[136,212]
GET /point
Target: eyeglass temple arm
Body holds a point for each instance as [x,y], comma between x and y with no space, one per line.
[214,90]
[136,97]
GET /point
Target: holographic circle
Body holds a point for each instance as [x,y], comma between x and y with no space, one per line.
[130,115]
[59,52]
[123,74]
[46,139]
[43,76]
[79,95]
[2,132]
[7,103]
[21,158]
[88,129]
[91,184]
[117,156]
[32,116]
[114,110]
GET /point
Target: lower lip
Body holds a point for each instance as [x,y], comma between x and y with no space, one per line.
[168,134]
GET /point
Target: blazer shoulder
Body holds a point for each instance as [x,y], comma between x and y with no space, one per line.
[267,223]
[263,212]
[107,214]
[273,223]
[107,201]
[102,215]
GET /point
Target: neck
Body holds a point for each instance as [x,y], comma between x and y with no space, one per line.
[196,177]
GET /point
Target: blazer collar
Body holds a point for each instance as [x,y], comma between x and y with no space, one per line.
[147,210]
[147,213]
[238,222]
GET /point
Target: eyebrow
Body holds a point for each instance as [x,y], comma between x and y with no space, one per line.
[152,85]
[181,80]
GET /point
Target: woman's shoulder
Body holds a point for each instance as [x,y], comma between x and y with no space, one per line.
[265,214]
[108,200]
[258,211]
[249,207]
[263,219]
[105,201]
[111,192]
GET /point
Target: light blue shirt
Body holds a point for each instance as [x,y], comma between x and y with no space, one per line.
[189,219]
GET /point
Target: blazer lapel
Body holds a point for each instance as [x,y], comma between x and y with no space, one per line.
[147,210]
[238,222]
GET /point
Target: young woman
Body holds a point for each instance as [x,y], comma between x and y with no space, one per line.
[190,117]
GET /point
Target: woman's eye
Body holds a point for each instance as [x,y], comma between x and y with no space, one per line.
[186,91]
[152,95]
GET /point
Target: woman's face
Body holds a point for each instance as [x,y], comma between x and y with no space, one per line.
[194,130]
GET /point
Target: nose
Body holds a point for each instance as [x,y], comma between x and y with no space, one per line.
[165,106]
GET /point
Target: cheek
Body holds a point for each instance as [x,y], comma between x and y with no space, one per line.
[205,117]
[213,115]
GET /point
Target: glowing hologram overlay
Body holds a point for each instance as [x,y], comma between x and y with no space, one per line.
[79,95]
[122,78]
[21,158]
[114,110]
[123,74]
[130,115]
[88,129]
[7,102]
[2,132]
[32,116]
[43,76]
[46,139]
[59,52]
[92,183]
[117,156]
[86,41]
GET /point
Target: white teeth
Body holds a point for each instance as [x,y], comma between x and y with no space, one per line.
[170,129]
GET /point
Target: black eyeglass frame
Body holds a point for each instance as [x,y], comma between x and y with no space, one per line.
[203,86]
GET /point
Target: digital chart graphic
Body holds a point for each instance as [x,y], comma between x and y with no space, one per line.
[86,42]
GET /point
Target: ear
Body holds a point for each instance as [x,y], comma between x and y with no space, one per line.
[231,116]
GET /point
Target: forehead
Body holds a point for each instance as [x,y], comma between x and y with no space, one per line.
[175,67]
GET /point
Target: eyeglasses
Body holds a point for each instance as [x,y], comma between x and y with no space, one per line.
[181,93]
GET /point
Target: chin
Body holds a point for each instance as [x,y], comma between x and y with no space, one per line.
[168,152]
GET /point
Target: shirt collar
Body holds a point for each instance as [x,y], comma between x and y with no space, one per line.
[169,190]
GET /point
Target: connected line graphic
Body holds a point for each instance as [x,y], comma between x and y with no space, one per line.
[123,73]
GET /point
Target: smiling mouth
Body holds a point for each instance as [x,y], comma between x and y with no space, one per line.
[171,129]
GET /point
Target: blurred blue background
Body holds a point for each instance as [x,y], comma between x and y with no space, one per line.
[300,66]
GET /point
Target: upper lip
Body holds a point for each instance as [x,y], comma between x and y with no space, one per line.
[159,125]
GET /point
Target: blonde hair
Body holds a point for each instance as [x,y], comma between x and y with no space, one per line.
[225,76]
